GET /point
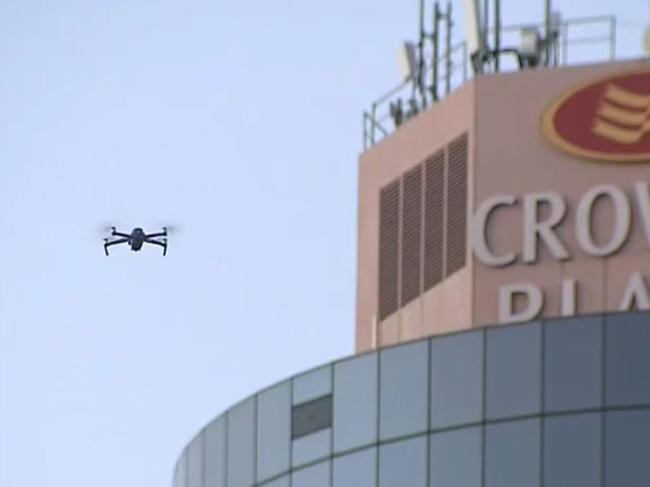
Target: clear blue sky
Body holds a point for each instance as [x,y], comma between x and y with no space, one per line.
[239,121]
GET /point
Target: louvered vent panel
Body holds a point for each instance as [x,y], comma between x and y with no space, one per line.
[388,249]
[456,204]
[411,248]
[433,219]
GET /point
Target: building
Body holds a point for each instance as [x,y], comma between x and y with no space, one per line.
[519,200]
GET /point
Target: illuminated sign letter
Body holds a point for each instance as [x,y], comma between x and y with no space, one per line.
[479,237]
[621,224]
[533,228]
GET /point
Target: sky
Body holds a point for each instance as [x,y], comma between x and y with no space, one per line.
[237,122]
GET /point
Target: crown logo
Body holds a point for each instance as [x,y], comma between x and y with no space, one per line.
[623,116]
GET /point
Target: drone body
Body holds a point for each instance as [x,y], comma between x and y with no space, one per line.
[137,238]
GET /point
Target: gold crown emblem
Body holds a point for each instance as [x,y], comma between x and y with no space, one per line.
[623,116]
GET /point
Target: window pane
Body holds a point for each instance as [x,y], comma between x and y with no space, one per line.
[456,379]
[312,384]
[627,436]
[573,358]
[572,450]
[404,376]
[241,449]
[512,454]
[456,458]
[312,447]
[315,476]
[180,476]
[356,469]
[403,463]
[628,360]
[195,463]
[311,416]
[513,371]
[355,402]
[281,482]
[214,437]
[273,431]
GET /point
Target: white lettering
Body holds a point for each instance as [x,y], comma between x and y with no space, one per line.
[479,238]
[534,229]
[507,294]
[622,222]
[636,294]
[643,200]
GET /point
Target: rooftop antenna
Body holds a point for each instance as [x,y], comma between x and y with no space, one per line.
[474,33]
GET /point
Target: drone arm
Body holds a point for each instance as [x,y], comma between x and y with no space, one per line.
[115,233]
[158,234]
[107,243]
[161,244]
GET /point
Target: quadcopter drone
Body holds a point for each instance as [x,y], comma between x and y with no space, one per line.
[137,238]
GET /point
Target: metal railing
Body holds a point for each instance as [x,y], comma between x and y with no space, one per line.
[455,68]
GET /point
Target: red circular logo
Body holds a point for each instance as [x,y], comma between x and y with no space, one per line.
[608,119]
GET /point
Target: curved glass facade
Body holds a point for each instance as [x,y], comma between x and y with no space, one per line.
[550,403]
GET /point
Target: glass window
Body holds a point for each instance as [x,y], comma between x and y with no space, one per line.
[195,462]
[312,384]
[312,447]
[356,469]
[403,463]
[403,403]
[355,402]
[513,371]
[627,445]
[455,458]
[572,361]
[512,454]
[314,476]
[241,444]
[456,379]
[572,450]
[628,360]
[214,447]
[180,476]
[281,482]
[273,431]
[311,416]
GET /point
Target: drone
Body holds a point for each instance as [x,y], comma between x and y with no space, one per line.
[137,238]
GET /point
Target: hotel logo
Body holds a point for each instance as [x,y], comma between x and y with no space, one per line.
[607,120]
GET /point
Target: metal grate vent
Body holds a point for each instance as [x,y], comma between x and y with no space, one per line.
[389,249]
[423,227]
[434,219]
[456,205]
[411,247]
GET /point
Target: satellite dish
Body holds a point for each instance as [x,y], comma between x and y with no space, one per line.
[646,40]
[407,61]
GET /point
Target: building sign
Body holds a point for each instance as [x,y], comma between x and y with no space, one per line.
[626,204]
[606,120]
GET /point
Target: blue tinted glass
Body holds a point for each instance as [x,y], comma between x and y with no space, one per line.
[628,360]
[273,431]
[311,447]
[195,462]
[455,458]
[214,446]
[627,435]
[403,463]
[241,444]
[513,371]
[403,403]
[572,450]
[314,476]
[512,452]
[573,363]
[356,469]
[456,379]
[355,402]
